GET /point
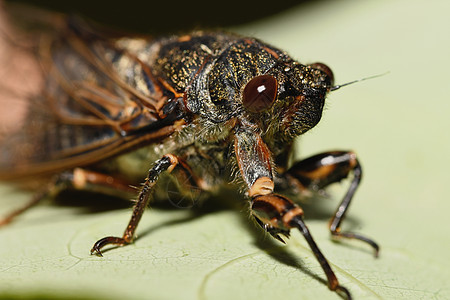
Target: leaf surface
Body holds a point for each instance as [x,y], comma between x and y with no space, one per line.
[398,124]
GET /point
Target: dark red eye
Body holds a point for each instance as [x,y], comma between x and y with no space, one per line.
[324,68]
[260,93]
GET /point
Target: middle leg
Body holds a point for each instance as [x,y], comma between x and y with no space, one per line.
[321,170]
[167,163]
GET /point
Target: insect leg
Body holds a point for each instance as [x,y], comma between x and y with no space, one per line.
[79,179]
[323,169]
[277,214]
[167,163]
[50,189]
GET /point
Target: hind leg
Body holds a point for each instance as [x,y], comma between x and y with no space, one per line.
[80,179]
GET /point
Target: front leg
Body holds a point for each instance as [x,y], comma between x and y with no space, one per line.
[321,170]
[275,213]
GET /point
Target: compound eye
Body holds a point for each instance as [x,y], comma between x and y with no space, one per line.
[260,93]
[324,68]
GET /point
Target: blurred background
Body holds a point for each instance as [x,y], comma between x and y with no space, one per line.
[168,17]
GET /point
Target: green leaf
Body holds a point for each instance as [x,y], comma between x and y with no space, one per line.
[398,124]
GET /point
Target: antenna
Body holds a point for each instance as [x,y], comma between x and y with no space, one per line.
[333,88]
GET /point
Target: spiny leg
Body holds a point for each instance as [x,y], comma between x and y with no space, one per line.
[321,170]
[274,213]
[163,164]
[277,215]
[167,163]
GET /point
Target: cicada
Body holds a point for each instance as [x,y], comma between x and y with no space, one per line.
[207,109]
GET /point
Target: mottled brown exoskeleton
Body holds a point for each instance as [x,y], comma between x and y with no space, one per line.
[206,107]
